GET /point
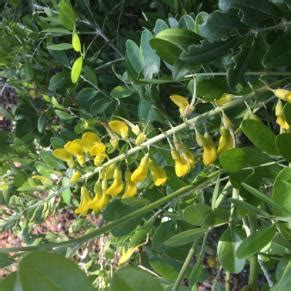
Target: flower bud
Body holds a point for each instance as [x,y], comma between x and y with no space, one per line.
[209,151]
[117,185]
[226,140]
[130,187]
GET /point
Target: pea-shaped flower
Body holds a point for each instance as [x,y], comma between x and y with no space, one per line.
[74,147]
[279,112]
[117,186]
[130,187]
[141,172]
[282,94]
[65,156]
[182,166]
[85,202]
[184,107]
[119,127]
[209,151]
[159,175]
[226,140]
[89,139]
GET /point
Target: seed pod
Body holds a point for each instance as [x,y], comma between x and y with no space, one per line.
[140,173]
[159,175]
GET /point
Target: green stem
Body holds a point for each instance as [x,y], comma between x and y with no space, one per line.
[199,183]
[253,272]
[227,281]
[185,266]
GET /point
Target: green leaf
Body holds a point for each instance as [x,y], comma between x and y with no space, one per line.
[285,279]
[277,207]
[42,122]
[50,272]
[227,246]
[196,214]
[279,53]
[86,96]
[282,190]
[8,283]
[151,59]
[167,51]
[210,89]
[206,52]
[76,69]
[121,92]
[5,260]
[233,160]
[133,60]
[261,6]
[283,144]
[166,267]
[59,46]
[133,279]
[58,81]
[249,207]
[219,25]
[67,14]
[255,242]
[260,135]
[287,112]
[242,59]
[187,22]
[63,115]
[160,25]
[148,112]
[76,43]
[179,37]
[184,237]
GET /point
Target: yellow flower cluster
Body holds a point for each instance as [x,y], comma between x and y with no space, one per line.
[127,185]
[183,158]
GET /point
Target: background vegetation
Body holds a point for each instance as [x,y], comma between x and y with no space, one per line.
[214,211]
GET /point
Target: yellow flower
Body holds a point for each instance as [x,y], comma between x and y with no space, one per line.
[279,112]
[119,127]
[114,141]
[75,177]
[100,200]
[140,173]
[99,151]
[226,140]
[282,94]
[209,151]
[159,175]
[74,147]
[42,179]
[182,103]
[182,166]
[225,98]
[89,139]
[117,185]
[140,138]
[108,172]
[85,202]
[130,187]
[65,156]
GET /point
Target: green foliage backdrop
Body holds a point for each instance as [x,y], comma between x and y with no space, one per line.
[162,128]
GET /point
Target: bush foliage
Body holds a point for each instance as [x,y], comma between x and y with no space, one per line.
[163,127]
